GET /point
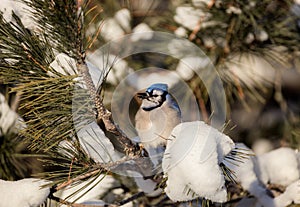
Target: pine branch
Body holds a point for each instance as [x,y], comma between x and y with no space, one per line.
[78,178]
[24,53]
[103,114]
[58,19]
[98,168]
[132,150]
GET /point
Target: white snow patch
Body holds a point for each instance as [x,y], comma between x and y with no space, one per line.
[111,29]
[123,18]
[191,162]
[262,146]
[96,144]
[261,35]
[279,166]
[188,65]
[141,32]
[249,38]
[209,42]
[119,67]
[185,71]
[23,193]
[92,189]
[66,65]
[181,32]
[63,64]
[199,3]
[234,10]
[188,17]
[20,9]
[192,18]
[99,148]
[117,26]
[248,171]
[291,194]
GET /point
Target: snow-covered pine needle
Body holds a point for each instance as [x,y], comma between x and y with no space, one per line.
[236,156]
[188,191]
[228,173]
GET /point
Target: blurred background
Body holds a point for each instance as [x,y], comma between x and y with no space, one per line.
[254,46]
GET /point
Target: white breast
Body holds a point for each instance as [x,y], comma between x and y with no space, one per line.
[154,127]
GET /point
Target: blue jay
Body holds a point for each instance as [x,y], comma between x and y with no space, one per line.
[158,114]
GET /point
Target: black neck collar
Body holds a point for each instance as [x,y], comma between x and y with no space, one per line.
[151,108]
[164,97]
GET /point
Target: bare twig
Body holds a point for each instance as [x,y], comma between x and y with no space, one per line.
[201,103]
[81,177]
[197,28]
[229,34]
[239,87]
[132,198]
[71,165]
[32,58]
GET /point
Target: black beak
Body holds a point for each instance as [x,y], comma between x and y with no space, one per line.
[143,95]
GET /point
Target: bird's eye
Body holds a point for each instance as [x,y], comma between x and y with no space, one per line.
[154,95]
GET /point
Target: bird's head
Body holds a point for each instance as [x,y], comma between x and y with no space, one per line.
[154,96]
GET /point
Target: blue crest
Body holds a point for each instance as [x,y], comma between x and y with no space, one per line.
[158,86]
